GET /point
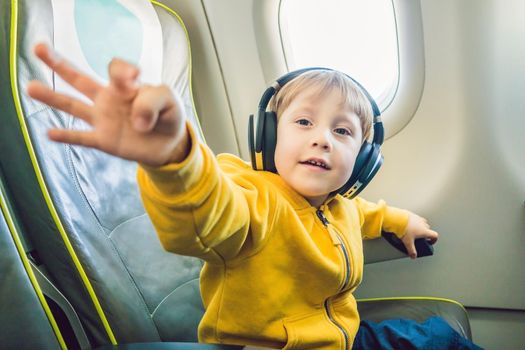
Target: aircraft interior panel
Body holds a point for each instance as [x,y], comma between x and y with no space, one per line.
[454,153]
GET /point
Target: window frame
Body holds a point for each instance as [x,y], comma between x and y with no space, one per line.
[397,112]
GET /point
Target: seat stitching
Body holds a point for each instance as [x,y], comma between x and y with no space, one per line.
[173,291]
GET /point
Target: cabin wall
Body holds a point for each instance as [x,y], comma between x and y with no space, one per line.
[460,163]
[462,155]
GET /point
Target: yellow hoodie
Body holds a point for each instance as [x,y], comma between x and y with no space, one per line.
[278,272]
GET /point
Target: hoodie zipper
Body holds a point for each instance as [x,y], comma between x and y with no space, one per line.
[336,238]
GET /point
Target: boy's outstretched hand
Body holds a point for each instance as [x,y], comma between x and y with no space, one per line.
[417,227]
[141,123]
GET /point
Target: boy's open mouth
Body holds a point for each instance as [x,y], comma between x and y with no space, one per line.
[316,162]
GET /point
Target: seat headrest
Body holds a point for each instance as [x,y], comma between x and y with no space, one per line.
[91,47]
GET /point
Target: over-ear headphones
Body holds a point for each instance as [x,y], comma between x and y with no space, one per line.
[262,138]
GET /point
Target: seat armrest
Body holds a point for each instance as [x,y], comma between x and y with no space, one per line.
[377,250]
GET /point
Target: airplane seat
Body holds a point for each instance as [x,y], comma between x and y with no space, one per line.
[25,318]
[80,209]
[418,309]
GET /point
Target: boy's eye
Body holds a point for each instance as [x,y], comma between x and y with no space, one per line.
[304,122]
[342,131]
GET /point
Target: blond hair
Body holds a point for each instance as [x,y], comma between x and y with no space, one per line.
[326,81]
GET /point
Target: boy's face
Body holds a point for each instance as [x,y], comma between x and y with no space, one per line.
[318,139]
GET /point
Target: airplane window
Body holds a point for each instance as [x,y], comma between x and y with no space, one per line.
[357,37]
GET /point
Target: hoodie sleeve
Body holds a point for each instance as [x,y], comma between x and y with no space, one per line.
[198,210]
[378,217]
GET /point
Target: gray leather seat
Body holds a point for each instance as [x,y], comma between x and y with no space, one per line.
[81,211]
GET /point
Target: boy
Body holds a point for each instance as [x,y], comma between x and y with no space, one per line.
[277,273]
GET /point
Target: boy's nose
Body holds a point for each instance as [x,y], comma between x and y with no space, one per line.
[325,145]
[322,140]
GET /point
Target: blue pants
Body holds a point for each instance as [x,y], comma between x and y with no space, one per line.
[402,334]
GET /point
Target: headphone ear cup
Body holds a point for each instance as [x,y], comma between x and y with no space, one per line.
[360,162]
[372,167]
[251,141]
[367,163]
[269,141]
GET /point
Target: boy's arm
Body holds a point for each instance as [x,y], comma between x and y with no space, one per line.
[407,226]
[189,200]
[378,217]
[197,210]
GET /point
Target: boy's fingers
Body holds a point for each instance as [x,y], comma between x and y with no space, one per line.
[70,105]
[74,137]
[147,106]
[411,250]
[433,237]
[123,77]
[79,81]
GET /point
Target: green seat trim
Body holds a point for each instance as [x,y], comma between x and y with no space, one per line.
[413,298]
[13,229]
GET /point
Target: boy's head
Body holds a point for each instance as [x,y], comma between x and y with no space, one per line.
[323,119]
